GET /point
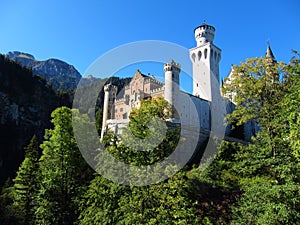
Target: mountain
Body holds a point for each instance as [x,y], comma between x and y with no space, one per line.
[61,75]
[26,103]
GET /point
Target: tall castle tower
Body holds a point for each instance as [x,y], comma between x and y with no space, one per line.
[205,58]
[172,70]
[110,92]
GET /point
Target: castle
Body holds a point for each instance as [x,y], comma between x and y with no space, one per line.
[205,59]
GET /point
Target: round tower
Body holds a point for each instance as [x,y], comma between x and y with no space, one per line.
[110,92]
[204,33]
[172,70]
[205,58]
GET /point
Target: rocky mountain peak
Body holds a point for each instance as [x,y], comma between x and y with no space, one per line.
[61,75]
[16,54]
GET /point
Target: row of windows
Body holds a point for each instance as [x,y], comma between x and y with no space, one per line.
[213,54]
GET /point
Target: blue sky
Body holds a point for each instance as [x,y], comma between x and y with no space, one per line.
[78,32]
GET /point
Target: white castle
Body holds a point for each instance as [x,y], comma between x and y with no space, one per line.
[205,58]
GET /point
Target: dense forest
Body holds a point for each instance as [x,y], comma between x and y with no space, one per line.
[26,103]
[254,183]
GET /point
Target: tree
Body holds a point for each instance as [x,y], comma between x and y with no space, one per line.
[258,95]
[256,89]
[63,172]
[8,214]
[267,168]
[25,183]
[266,202]
[18,196]
[148,138]
[169,202]
[290,105]
[172,201]
[99,204]
[99,118]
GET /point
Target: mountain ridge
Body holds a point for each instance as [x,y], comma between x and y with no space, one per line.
[58,73]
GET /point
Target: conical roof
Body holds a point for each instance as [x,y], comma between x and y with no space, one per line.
[269,52]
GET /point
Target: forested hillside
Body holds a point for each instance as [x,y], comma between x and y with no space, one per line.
[254,183]
[26,103]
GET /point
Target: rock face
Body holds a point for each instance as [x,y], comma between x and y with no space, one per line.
[26,103]
[59,74]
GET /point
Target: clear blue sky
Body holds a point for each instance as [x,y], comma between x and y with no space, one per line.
[78,32]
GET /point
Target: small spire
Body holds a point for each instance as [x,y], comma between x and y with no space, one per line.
[269,52]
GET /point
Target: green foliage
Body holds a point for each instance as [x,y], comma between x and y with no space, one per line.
[148,139]
[26,183]
[140,117]
[258,89]
[290,105]
[18,197]
[99,204]
[257,183]
[266,202]
[99,117]
[63,172]
[8,214]
[267,170]
[169,202]
[27,103]
[221,173]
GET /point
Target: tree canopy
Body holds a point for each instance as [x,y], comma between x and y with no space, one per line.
[253,183]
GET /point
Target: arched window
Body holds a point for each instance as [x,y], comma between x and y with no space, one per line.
[193,57]
[135,97]
[205,53]
[199,55]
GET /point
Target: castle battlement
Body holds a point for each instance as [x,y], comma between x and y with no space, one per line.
[157,90]
[172,66]
[120,100]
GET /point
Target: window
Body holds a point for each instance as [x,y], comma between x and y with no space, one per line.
[193,57]
[199,55]
[121,109]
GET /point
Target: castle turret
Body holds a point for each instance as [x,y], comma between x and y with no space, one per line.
[205,58]
[269,54]
[110,92]
[204,33]
[172,71]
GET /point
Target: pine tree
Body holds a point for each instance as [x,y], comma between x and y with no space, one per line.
[25,183]
[63,172]
[8,214]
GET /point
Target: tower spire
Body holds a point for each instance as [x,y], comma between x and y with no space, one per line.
[269,52]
